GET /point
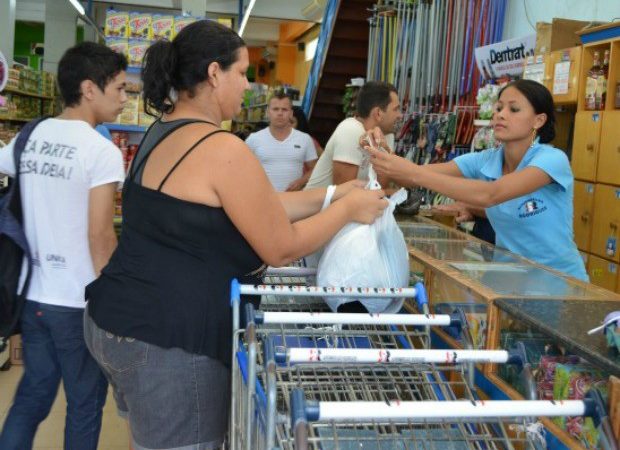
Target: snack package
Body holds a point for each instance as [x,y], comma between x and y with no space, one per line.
[181,22]
[129,116]
[119,45]
[136,50]
[140,25]
[163,26]
[144,119]
[116,24]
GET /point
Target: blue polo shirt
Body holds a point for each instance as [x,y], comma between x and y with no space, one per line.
[539,225]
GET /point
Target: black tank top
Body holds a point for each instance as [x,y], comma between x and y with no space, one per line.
[168,281]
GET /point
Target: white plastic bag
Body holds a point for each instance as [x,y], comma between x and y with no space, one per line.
[368,256]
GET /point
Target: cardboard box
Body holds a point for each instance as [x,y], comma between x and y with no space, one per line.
[16,350]
[557,35]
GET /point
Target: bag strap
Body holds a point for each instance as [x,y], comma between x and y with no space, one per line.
[18,148]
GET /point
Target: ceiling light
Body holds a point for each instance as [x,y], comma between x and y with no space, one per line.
[80,9]
[246,16]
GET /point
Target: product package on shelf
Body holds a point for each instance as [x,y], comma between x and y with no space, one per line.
[117,24]
[144,120]
[181,22]
[163,26]
[129,116]
[136,50]
[140,25]
[119,45]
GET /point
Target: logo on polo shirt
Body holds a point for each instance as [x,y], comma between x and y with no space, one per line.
[531,207]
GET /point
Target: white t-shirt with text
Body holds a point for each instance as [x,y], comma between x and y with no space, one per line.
[61,162]
[283,161]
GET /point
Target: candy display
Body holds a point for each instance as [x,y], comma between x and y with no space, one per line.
[163,26]
[117,23]
[140,25]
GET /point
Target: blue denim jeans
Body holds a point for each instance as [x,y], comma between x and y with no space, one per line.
[54,348]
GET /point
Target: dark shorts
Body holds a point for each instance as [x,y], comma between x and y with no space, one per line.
[172,399]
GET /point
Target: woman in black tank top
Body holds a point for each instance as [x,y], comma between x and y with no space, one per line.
[198,211]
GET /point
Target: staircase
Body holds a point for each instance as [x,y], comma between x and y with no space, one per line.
[346,58]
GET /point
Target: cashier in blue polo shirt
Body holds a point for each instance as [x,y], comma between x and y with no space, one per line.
[524,186]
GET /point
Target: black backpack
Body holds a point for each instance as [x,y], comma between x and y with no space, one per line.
[13,246]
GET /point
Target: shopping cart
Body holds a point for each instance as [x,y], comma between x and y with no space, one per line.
[303,303]
[318,331]
[341,371]
[460,424]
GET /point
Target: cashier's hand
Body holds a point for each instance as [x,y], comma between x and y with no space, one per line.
[463,214]
[375,138]
[388,165]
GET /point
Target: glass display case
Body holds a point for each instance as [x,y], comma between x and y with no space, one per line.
[464,274]
[564,359]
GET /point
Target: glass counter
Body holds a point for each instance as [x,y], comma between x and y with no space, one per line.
[566,361]
[521,279]
[423,230]
[462,250]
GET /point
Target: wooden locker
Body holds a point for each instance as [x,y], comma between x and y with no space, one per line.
[583,211]
[606,225]
[586,144]
[608,170]
[603,273]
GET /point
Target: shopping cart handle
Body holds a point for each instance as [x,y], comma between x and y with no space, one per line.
[517,355]
[303,410]
[250,314]
[280,354]
[269,351]
[457,320]
[421,296]
[235,292]
[596,408]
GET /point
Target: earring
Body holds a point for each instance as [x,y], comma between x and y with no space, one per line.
[534,135]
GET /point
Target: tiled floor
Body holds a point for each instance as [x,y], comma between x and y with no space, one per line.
[114,433]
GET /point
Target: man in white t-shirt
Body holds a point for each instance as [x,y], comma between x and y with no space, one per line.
[343,159]
[287,155]
[69,174]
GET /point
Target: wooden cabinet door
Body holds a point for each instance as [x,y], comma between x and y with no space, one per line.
[603,273]
[572,55]
[586,144]
[606,225]
[608,170]
[583,202]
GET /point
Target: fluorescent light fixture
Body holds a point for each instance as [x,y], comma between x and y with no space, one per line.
[80,9]
[246,16]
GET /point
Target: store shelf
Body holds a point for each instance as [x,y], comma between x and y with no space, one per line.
[258,105]
[482,123]
[249,121]
[15,119]
[127,128]
[27,94]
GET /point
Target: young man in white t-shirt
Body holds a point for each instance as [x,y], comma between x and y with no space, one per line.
[343,159]
[287,155]
[69,174]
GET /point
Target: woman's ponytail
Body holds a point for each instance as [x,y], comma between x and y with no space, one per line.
[158,73]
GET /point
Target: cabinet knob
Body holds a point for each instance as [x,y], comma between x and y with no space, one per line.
[585,217]
[613,225]
[590,147]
